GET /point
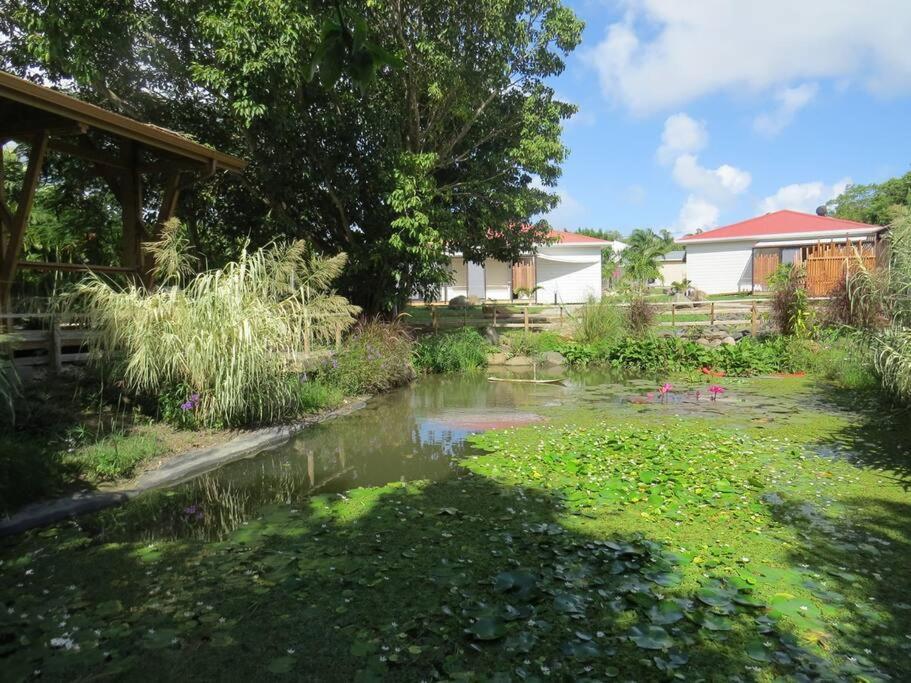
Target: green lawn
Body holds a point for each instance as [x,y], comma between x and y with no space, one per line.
[585,549]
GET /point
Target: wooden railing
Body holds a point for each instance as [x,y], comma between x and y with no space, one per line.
[54,343]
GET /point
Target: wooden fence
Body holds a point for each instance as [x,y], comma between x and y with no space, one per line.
[826,264]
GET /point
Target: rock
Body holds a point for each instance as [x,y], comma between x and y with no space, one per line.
[729,341]
[715,342]
[699,295]
[520,361]
[702,341]
[498,358]
[553,358]
[490,334]
[458,302]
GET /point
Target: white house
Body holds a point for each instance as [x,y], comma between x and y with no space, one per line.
[740,257]
[565,271]
[672,266]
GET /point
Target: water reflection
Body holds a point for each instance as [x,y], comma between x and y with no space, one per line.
[418,432]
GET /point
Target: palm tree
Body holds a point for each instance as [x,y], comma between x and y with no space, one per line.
[640,258]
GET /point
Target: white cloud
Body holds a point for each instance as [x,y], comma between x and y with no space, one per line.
[718,184]
[790,101]
[665,53]
[568,214]
[681,135]
[803,196]
[697,213]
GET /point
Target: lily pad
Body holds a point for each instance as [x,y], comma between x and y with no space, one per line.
[650,637]
[487,628]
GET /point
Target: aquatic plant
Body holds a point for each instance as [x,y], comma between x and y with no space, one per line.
[716,391]
[597,321]
[456,351]
[375,357]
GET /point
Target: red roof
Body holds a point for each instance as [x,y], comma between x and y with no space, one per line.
[782,223]
[566,237]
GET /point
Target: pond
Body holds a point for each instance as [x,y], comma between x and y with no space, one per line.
[420,432]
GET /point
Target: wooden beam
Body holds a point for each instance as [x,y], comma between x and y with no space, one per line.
[84,150]
[169,198]
[73,267]
[28,129]
[131,208]
[20,220]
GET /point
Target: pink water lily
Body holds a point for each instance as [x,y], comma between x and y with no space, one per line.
[716,391]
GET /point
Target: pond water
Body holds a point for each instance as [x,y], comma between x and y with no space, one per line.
[416,432]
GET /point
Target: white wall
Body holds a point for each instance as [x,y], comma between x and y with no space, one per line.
[720,267]
[459,286]
[672,271]
[475,279]
[568,282]
[499,280]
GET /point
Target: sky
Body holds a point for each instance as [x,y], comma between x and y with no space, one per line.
[700,113]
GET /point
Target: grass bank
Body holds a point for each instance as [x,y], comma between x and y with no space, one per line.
[584,549]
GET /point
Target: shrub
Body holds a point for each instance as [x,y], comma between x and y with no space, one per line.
[892,362]
[375,357]
[846,362]
[597,320]
[314,394]
[9,390]
[522,343]
[857,301]
[791,312]
[640,316]
[228,336]
[457,351]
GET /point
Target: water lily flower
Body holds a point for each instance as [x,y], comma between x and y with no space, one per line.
[716,391]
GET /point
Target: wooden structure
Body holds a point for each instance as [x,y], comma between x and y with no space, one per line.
[120,150]
[825,261]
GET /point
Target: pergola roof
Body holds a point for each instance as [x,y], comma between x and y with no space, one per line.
[62,110]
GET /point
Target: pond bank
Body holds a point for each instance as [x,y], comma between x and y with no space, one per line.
[170,471]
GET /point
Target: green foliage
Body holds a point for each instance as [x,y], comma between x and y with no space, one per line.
[891,351]
[873,203]
[228,336]
[116,456]
[791,311]
[314,394]
[640,258]
[9,389]
[845,360]
[457,351]
[522,343]
[376,357]
[438,157]
[598,320]
[674,354]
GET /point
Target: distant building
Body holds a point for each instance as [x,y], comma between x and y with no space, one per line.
[566,271]
[672,266]
[741,257]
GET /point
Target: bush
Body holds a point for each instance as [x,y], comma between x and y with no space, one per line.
[375,357]
[314,394]
[458,351]
[522,343]
[598,320]
[791,312]
[845,361]
[227,337]
[892,362]
[9,390]
[640,316]
[857,302]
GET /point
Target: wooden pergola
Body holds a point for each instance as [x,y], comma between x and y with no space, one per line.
[120,150]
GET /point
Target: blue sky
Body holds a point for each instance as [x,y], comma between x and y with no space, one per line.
[705,112]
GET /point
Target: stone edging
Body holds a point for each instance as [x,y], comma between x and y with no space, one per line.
[175,470]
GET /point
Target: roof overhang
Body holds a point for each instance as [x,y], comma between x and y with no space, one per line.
[805,237]
[805,242]
[69,109]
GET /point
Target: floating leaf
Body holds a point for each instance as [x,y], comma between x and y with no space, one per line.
[665,612]
[650,637]
[487,628]
[280,665]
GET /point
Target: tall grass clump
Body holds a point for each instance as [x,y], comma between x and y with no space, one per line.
[527,343]
[791,312]
[640,316]
[376,357]
[458,351]
[227,337]
[9,390]
[596,321]
[892,362]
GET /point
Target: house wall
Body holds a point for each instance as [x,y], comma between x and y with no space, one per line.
[476,279]
[568,282]
[720,267]
[499,280]
[673,271]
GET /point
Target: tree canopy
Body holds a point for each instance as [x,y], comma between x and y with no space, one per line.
[393,130]
[873,203]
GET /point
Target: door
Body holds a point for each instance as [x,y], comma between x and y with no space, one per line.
[765,262]
[523,274]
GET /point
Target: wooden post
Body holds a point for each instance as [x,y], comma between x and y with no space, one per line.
[433,317]
[131,209]
[713,313]
[754,321]
[526,317]
[494,315]
[165,213]
[20,220]
[673,314]
[561,316]
[56,348]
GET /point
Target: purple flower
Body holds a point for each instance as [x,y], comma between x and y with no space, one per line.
[186,406]
[191,510]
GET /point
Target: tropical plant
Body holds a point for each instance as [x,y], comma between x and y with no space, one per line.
[681,286]
[526,292]
[640,258]
[229,336]
[790,312]
[458,351]
[892,362]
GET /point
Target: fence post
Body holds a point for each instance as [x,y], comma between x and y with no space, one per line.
[561,316]
[526,317]
[433,317]
[494,315]
[713,313]
[673,314]
[56,347]
[754,321]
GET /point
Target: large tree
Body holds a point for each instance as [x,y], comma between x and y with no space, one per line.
[436,152]
[873,203]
